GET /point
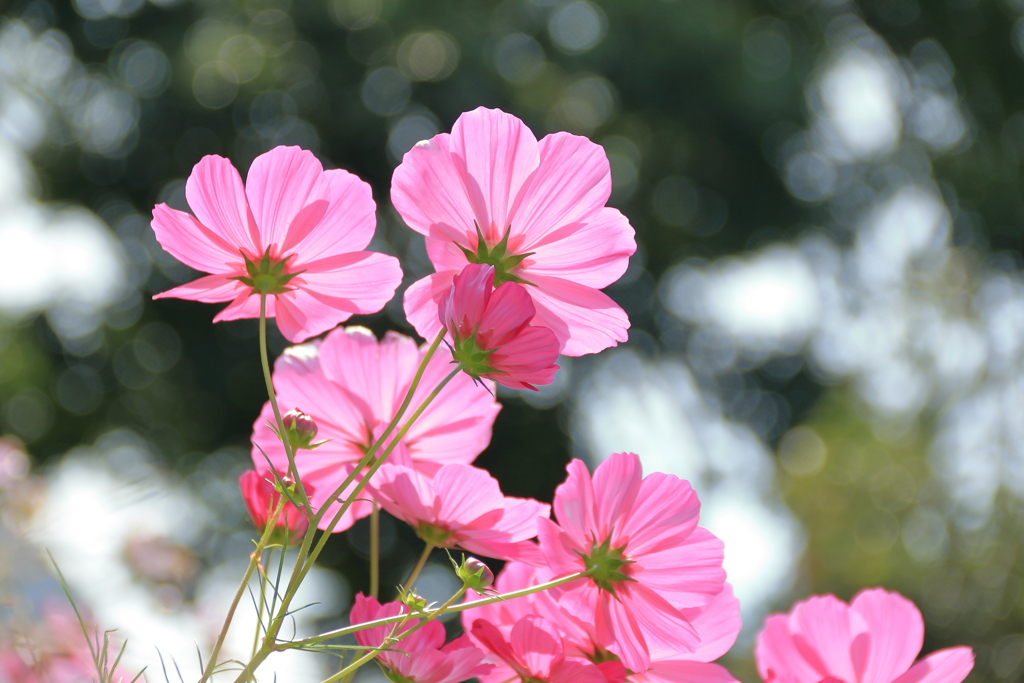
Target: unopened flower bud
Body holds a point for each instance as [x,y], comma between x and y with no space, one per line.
[261,496]
[301,428]
[414,601]
[475,573]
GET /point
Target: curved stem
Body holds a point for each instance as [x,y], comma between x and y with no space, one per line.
[490,600]
[253,561]
[264,360]
[419,566]
[375,551]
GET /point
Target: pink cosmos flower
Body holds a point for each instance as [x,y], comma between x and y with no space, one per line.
[293,231]
[717,624]
[650,560]
[874,639]
[490,193]
[352,386]
[261,499]
[462,506]
[421,657]
[532,651]
[491,332]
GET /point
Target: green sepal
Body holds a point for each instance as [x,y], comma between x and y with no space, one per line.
[266,276]
[497,257]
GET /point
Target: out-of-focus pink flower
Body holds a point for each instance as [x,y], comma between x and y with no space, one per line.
[421,657]
[353,385]
[294,231]
[261,499]
[491,332]
[532,651]
[650,560]
[462,507]
[874,639]
[490,193]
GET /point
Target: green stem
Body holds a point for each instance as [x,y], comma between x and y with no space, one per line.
[370,656]
[264,360]
[253,561]
[490,600]
[301,567]
[419,566]
[263,603]
[375,551]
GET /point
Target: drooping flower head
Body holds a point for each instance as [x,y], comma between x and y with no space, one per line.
[649,561]
[421,657]
[352,386]
[462,506]
[490,193]
[261,499]
[874,639]
[294,232]
[491,333]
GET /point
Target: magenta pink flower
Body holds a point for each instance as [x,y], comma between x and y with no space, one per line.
[421,657]
[650,560]
[352,386]
[490,193]
[294,231]
[462,506]
[532,651]
[491,332]
[874,639]
[261,499]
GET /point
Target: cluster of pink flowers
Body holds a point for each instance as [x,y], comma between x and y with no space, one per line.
[522,242]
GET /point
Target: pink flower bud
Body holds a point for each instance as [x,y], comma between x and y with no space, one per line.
[475,573]
[261,499]
[301,428]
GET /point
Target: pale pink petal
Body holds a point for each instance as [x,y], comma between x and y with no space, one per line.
[210,289]
[688,575]
[575,671]
[665,629]
[778,657]
[594,254]
[426,666]
[301,314]
[537,645]
[421,299]
[327,479]
[444,253]
[358,282]
[492,639]
[406,494]
[616,485]
[584,319]
[571,184]
[466,493]
[194,244]
[619,632]
[347,226]
[574,505]
[288,193]
[717,623]
[246,305]
[683,671]
[496,545]
[942,666]
[498,153]
[822,622]
[895,634]
[520,518]
[666,510]
[215,193]
[366,609]
[375,374]
[429,188]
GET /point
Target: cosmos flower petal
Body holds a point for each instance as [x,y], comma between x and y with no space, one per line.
[584,319]
[288,193]
[215,194]
[895,635]
[942,666]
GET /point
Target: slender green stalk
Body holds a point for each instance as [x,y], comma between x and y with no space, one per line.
[375,551]
[301,567]
[371,655]
[490,600]
[264,360]
[253,561]
[419,566]
[262,605]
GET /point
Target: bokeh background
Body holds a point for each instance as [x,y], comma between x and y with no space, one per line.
[827,300]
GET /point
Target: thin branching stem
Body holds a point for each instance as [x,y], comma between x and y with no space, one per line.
[419,566]
[375,551]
